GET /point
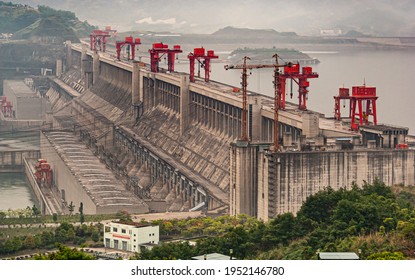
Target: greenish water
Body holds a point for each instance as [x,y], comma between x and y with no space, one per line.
[15,191]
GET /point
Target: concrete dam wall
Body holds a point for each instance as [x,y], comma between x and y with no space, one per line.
[175,142]
[292,177]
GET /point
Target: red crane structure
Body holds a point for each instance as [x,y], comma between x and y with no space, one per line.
[203,59]
[158,51]
[43,173]
[6,107]
[343,95]
[363,95]
[301,79]
[277,93]
[362,105]
[131,44]
[98,37]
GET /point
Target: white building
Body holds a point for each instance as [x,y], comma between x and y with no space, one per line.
[330,32]
[130,236]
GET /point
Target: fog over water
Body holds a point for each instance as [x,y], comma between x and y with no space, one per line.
[390,71]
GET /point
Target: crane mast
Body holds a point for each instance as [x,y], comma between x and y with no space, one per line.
[277,92]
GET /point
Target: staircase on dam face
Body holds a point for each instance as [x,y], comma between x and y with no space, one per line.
[202,151]
[73,78]
[108,103]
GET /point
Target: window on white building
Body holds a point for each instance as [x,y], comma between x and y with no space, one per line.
[114,229]
[123,231]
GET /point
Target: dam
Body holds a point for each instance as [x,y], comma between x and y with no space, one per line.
[163,142]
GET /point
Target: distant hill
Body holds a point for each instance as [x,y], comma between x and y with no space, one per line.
[231,32]
[26,22]
[265,55]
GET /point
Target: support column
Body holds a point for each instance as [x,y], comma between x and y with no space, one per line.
[68,54]
[184,103]
[141,86]
[95,69]
[311,124]
[255,101]
[58,67]
[135,90]
[83,63]
[244,179]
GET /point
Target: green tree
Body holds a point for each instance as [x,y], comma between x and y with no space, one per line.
[55,217]
[124,216]
[387,256]
[95,236]
[81,213]
[29,242]
[81,208]
[66,253]
[35,211]
[71,208]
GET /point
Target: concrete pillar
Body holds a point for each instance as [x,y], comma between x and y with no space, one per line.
[243,179]
[255,101]
[311,124]
[184,103]
[140,86]
[68,54]
[153,91]
[263,188]
[95,68]
[58,67]
[287,139]
[83,61]
[135,86]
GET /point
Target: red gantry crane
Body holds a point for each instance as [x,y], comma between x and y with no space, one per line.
[6,107]
[131,44]
[43,173]
[363,95]
[277,93]
[204,61]
[98,38]
[301,79]
[362,105]
[343,95]
[158,51]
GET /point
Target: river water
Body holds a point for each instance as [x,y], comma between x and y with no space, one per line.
[15,192]
[390,71]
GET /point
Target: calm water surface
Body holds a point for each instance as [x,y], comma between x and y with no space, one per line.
[15,191]
[390,71]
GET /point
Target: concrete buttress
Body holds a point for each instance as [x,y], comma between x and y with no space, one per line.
[184,103]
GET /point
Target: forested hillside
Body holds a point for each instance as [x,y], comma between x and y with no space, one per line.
[372,221]
[24,21]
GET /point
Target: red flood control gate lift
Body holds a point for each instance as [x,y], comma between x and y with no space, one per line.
[6,107]
[43,173]
[203,59]
[158,51]
[301,79]
[131,44]
[363,95]
[362,105]
[98,37]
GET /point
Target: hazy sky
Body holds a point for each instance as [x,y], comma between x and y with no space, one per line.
[383,17]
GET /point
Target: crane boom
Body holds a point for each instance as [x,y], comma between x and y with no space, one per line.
[277,91]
